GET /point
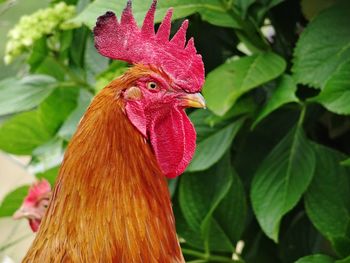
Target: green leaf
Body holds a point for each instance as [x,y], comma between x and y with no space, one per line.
[50,175]
[281,180]
[213,11]
[315,259]
[243,5]
[69,126]
[21,134]
[311,8]
[213,147]
[94,62]
[253,148]
[24,132]
[47,156]
[196,198]
[57,107]
[284,93]
[49,66]
[244,106]
[192,237]
[39,53]
[214,237]
[225,84]
[346,162]
[217,213]
[232,211]
[323,46]
[77,51]
[198,201]
[66,38]
[327,198]
[344,260]
[335,95]
[23,94]
[13,201]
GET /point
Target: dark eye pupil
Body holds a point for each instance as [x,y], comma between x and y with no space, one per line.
[152,85]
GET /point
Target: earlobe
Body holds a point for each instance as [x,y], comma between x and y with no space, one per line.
[132,93]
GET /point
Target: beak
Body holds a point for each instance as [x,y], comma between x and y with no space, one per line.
[194,100]
[20,213]
[24,212]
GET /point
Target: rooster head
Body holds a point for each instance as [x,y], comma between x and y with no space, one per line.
[35,204]
[166,78]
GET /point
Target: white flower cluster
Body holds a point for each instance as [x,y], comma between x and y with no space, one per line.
[33,27]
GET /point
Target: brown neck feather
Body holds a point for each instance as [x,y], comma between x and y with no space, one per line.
[110,202]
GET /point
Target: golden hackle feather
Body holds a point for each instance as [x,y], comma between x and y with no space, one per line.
[110,202]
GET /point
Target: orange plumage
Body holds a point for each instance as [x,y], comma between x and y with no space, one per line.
[110,176]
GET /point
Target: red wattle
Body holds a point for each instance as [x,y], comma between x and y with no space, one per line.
[173,139]
[34,224]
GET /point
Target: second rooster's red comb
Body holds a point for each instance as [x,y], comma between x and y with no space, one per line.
[37,190]
[125,41]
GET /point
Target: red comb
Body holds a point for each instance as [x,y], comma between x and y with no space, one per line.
[37,190]
[125,41]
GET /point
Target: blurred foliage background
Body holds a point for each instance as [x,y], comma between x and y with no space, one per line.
[269,181]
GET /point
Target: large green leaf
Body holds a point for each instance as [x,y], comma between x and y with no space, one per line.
[198,203]
[213,11]
[24,132]
[327,198]
[323,46]
[216,213]
[213,147]
[281,180]
[69,126]
[316,259]
[197,199]
[284,93]
[23,94]
[13,201]
[191,237]
[225,84]
[57,107]
[335,96]
[232,210]
[21,134]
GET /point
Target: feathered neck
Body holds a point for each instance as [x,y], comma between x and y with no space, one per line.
[110,202]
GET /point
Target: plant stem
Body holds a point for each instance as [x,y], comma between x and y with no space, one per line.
[211,258]
[302,115]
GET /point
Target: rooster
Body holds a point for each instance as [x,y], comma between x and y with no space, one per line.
[111,202]
[35,204]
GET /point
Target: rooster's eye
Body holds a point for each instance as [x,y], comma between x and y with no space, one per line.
[152,85]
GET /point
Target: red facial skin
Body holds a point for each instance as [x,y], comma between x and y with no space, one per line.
[158,113]
[179,71]
[35,204]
